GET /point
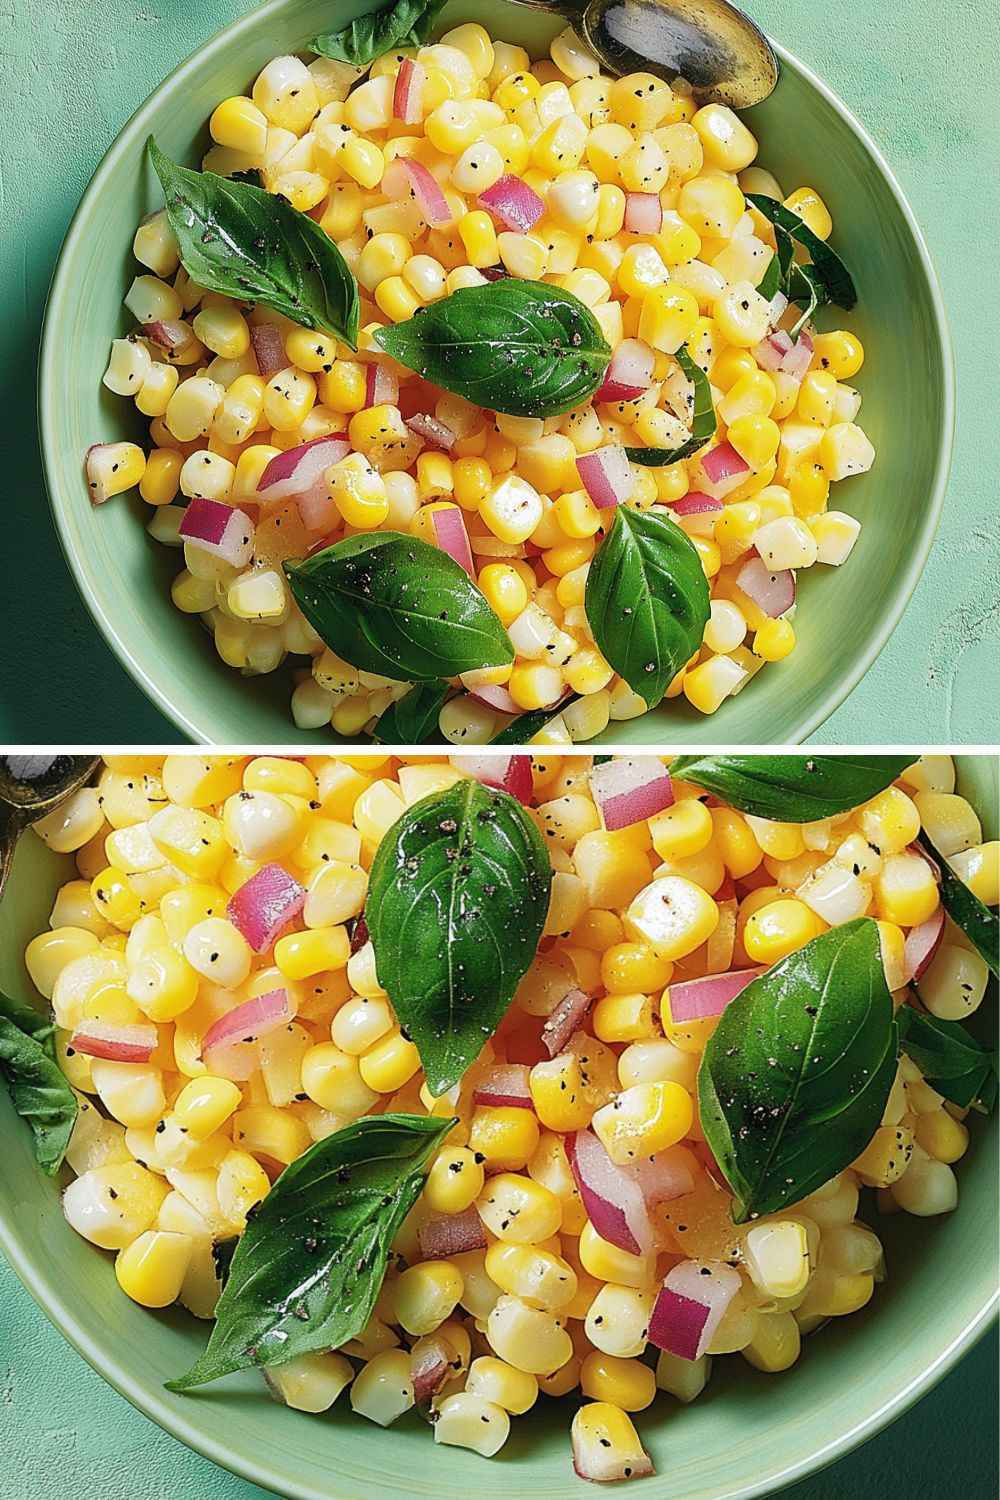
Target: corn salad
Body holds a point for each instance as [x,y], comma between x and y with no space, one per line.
[583,142]
[169,1159]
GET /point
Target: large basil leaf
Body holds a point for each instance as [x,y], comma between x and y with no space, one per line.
[398,606]
[514,346]
[826,262]
[792,788]
[413,720]
[457,899]
[38,1090]
[647,600]
[522,730]
[793,1083]
[980,925]
[309,1266]
[405,23]
[246,243]
[702,420]
[958,1066]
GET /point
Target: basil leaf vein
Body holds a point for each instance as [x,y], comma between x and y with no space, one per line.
[647,600]
[792,788]
[457,900]
[310,1264]
[520,347]
[979,924]
[39,1091]
[826,263]
[794,1081]
[405,23]
[522,730]
[413,720]
[702,420]
[398,606]
[253,245]
[961,1068]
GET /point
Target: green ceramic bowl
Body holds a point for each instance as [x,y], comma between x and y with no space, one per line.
[747,1435]
[846,615]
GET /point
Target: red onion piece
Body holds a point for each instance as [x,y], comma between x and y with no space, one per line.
[452,537]
[245,1024]
[774,593]
[295,472]
[222,530]
[265,904]
[567,1018]
[408,93]
[429,1370]
[451,1234]
[504,1087]
[922,942]
[359,934]
[798,358]
[166,333]
[510,773]
[606,475]
[381,385]
[433,432]
[523,1042]
[629,789]
[614,1201]
[268,343]
[495,697]
[604,1465]
[690,1306]
[699,999]
[514,203]
[643,213]
[697,513]
[494,273]
[770,352]
[664,1176]
[630,372]
[405,176]
[128,1044]
[723,463]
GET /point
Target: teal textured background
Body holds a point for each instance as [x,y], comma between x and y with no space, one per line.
[921,76]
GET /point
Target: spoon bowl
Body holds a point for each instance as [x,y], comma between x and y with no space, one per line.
[32,786]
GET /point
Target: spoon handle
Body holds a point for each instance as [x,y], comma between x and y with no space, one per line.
[10,832]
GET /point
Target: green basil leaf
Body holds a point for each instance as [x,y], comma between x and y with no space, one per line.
[413,720]
[826,262]
[771,282]
[794,1081]
[520,347]
[792,788]
[246,243]
[398,606]
[457,899]
[405,23]
[965,909]
[960,1067]
[647,600]
[309,1266]
[806,289]
[702,420]
[522,730]
[38,1089]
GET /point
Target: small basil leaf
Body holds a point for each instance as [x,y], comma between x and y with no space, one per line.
[457,899]
[398,606]
[770,283]
[792,788]
[826,262]
[405,23]
[965,909]
[522,730]
[309,1266]
[794,1081]
[960,1068]
[413,720]
[702,420]
[647,600]
[222,1256]
[520,347]
[806,289]
[39,1092]
[246,243]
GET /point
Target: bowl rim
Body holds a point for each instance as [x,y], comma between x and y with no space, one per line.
[65,508]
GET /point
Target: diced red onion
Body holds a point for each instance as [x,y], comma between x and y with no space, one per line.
[606,475]
[566,1019]
[770,352]
[629,789]
[614,1200]
[406,176]
[359,934]
[723,463]
[166,333]
[605,1465]
[798,358]
[643,213]
[268,344]
[523,1042]
[381,385]
[265,904]
[408,93]
[774,593]
[514,203]
[630,372]
[298,474]
[496,697]
[697,513]
[922,942]
[452,537]
[691,1305]
[504,1087]
[451,1234]
[493,273]
[436,434]
[664,1176]
[429,1370]
[245,1024]
[511,773]
[128,1044]
[777,309]
[698,999]
[225,532]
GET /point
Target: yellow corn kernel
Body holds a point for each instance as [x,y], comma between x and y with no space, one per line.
[152,1268]
[627,1383]
[774,640]
[425,1295]
[115,899]
[505,1138]
[608,1263]
[390,1063]
[276,1134]
[162,983]
[778,929]
[776,1343]
[643,1120]
[811,209]
[681,830]
[455,1180]
[204,1104]
[625,1018]
[537,1276]
[318,949]
[840,353]
[672,915]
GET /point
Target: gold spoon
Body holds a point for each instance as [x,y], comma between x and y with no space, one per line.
[719,50]
[32,786]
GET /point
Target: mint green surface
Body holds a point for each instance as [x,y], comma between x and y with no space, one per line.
[931,681]
[745,1435]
